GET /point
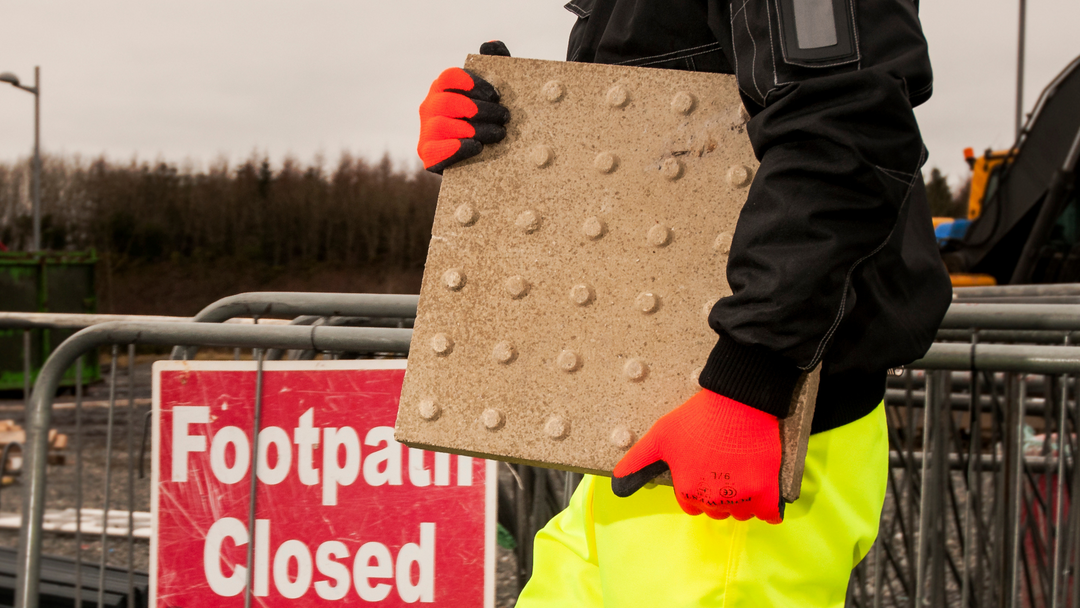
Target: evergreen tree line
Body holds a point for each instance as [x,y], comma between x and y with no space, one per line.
[943,201]
[357,212]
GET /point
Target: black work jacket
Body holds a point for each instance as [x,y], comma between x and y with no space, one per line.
[833,260]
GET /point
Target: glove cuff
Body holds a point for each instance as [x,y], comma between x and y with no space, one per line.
[751,375]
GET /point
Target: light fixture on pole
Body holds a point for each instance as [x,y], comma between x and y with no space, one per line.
[13,80]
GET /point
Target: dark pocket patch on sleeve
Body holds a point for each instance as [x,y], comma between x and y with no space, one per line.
[817,33]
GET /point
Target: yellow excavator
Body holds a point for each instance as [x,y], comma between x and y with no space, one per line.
[950,230]
[1023,220]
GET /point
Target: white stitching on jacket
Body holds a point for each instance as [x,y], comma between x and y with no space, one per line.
[891,172]
[577,10]
[847,277]
[753,45]
[735,47]
[772,45]
[710,46]
[676,58]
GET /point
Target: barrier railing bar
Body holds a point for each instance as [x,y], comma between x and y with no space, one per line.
[147,419]
[1075,517]
[982,535]
[990,336]
[276,354]
[1068,446]
[108,476]
[1056,289]
[910,489]
[998,512]
[1059,499]
[878,575]
[131,477]
[1047,532]
[1012,317]
[924,511]
[39,412]
[938,487]
[1001,508]
[1049,360]
[1027,300]
[252,497]
[1033,504]
[291,305]
[959,402]
[63,320]
[1017,491]
[940,557]
[78,481]
[27,354]
[950,484]
[961,379]
[970,535]
[899,495]
[897,570]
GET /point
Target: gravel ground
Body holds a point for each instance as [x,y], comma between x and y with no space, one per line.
[982,591]
[62,487]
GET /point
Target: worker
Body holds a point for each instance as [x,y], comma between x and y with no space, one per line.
[833,264]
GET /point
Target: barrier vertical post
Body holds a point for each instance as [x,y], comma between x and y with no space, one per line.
[1017,495]
[1055,591]
[27,353]
[930,403]
[78,481]
[969,546]
[939,464]
[108,478]
[256,423]
[131,477]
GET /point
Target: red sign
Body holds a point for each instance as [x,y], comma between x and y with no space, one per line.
[345,515]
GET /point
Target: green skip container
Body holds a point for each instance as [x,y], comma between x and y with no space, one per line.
[47,281]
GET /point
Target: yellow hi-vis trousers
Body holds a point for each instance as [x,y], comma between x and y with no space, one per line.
[644,551]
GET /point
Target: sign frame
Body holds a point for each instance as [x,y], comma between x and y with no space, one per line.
[490,466]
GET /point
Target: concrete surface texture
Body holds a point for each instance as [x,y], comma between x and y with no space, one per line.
[573,266]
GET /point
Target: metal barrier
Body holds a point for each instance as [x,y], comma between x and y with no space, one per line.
[239,336]
[290,305]
[1062,293]
[310,334]
[971,519]
[979,510]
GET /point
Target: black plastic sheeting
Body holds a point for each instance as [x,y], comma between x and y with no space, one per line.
[994,241]
[57,588]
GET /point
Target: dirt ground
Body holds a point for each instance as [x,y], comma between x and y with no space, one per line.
[63,487]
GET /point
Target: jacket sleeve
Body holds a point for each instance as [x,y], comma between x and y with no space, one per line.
[840,154]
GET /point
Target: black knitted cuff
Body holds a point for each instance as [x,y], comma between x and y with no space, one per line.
[751,375]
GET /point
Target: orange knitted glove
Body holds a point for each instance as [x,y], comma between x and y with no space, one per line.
[460,114]
[724,459]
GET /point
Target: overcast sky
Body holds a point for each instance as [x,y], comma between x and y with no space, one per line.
[197,79]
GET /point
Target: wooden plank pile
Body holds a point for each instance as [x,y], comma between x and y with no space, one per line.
[12,433]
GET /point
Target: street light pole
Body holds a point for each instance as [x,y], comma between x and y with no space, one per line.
[13,80]
[1020,68]
[37,158]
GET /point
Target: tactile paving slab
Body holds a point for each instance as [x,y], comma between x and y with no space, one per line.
[573,266]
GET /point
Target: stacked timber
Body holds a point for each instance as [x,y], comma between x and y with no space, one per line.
[13,435]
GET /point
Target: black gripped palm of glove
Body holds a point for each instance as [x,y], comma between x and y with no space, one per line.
[724,459]
[460,114]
